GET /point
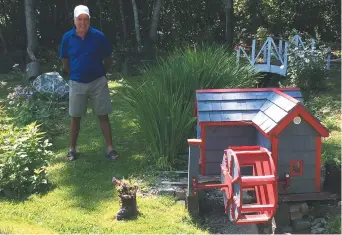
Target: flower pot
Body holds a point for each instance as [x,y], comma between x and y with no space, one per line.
[128,206]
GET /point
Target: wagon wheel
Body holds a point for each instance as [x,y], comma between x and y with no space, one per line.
[231,195]
[226,178]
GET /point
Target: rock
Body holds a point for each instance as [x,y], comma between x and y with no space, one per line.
[296,215]
[304,208]
[339,203]
[318,231]
[295,207]
[323,221]
[318,225]
[51,83]
[318,221]
[300,224]
[180,194]
[166,192]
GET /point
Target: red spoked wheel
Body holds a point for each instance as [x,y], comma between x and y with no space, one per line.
[230,175]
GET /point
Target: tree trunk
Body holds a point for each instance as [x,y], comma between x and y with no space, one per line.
[253,5]
[229,22]
[123,21]
[136,24]
[101,11]
[155,21]
[32,39]
[2,38]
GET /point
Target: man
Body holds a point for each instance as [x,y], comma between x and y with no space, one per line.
[86,57]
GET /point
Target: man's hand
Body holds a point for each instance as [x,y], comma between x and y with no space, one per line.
[66,67]
[107,62]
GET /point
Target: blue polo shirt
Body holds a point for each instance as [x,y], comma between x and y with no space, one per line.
[85,56]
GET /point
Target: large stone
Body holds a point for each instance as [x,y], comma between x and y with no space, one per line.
[318,225]
[166,192]
[318,230]
[51,83]
[299,225]
[304,208]
[296,215]
[295,207]
[180,194]
[318,221]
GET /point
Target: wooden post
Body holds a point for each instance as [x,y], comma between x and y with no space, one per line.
[238,56]
[328,59]
[253,52]
[285,57]
[193,172]
[269,46]
[280,48]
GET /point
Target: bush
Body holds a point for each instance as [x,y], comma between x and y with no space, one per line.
[306,69]
[334,225]
[23,160]
[163,101]
[27,106]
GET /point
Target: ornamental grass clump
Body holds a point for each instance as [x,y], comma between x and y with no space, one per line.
[162,103]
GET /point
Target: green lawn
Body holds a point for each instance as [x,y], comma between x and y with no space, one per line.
[83,199]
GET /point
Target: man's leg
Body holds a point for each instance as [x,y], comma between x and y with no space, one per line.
[107,132]
[100,100]
[74,131]
[77,108]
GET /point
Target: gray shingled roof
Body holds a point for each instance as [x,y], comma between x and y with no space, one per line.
[264,108]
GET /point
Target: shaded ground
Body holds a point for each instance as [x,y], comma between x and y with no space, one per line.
[215,220]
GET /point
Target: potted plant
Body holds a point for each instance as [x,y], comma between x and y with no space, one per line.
[127,193]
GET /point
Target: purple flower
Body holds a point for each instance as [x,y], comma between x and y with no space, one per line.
[124,185]
[114,180]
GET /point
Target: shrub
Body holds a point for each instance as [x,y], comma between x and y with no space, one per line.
[334,225]
[306,69]
[163,101]
[27,106]
[23,160]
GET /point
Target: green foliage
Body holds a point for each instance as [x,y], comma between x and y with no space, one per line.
[163,103]
[334,225]
[23,160]
[125,186]
[306,69]
[27,106]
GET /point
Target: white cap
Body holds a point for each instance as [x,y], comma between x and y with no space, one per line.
[81,9]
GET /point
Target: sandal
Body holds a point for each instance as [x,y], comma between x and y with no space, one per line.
[112,155]
[71,156]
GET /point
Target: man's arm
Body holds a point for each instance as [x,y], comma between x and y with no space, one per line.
[107,61]
[66,66]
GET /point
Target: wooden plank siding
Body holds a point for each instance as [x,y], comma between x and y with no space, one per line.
[219,138]
[298,142]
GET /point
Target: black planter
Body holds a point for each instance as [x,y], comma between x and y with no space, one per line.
[128,207]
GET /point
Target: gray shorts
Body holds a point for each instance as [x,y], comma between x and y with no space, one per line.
[94,94]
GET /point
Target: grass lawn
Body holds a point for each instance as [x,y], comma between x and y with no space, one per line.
[83,199]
